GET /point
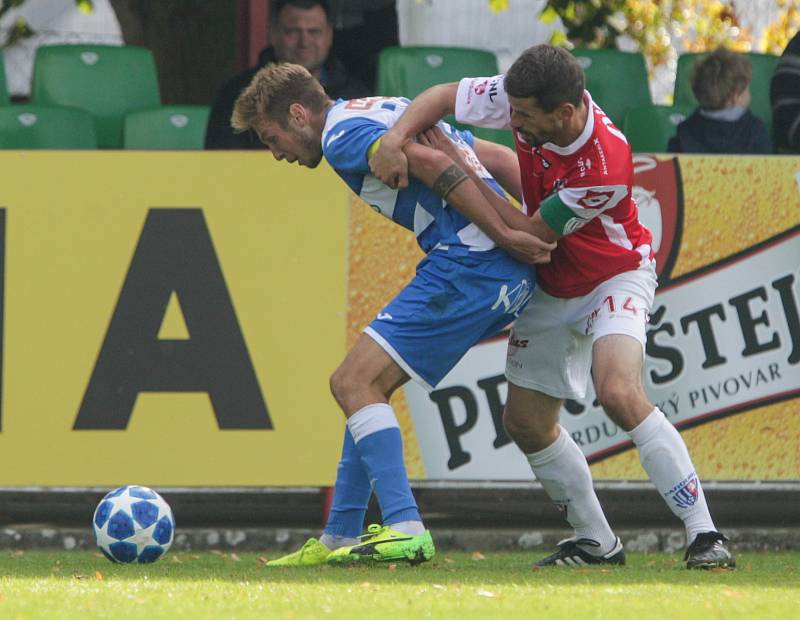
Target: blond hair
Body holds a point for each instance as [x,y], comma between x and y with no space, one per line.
[270,93]
[719,77]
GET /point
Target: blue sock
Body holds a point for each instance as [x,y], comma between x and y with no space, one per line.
[380,445]
[350,494]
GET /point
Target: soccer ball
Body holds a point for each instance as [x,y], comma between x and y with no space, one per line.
[133,524]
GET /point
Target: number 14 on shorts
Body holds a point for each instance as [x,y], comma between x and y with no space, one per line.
[619,306]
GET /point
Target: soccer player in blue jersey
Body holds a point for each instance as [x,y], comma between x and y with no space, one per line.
[466,288]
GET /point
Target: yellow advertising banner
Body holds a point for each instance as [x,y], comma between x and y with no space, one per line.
[170,319]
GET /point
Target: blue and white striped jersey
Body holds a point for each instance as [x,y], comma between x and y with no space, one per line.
[352,127]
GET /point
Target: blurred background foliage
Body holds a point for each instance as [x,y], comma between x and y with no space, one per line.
[21,29]
[657,27]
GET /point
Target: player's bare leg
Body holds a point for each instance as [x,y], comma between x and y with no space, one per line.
[362,386]
[367,375]
[617,370]
[531,420]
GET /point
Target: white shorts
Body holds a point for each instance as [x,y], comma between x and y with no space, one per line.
[550,347]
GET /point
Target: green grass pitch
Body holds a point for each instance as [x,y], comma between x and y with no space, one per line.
[79,584]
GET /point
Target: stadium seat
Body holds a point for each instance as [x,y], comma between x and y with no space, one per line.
[763,68]
[3,85]
[107,81]
[167,127]
[650,127]
[407,71]
[617,80]
[40,127]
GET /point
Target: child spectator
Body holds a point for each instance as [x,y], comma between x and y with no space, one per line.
[722,123]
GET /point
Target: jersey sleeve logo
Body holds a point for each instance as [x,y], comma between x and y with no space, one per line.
[595,200]
[480,87]
[333,138]
[493,89]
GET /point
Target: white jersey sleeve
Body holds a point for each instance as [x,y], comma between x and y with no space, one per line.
[483,102]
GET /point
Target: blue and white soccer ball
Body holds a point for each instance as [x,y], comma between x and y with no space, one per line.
[133,524]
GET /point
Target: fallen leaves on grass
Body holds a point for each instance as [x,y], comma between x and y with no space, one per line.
[261,561]
[449,561]
[478,556]
[486,593]
[392,567]
[98,575]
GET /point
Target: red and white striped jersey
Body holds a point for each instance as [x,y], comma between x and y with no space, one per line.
[592,177]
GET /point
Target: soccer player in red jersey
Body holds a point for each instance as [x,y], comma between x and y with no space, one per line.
[590,310]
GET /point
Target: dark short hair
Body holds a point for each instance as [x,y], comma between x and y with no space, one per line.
[279,5]
[719,77]
[549,73]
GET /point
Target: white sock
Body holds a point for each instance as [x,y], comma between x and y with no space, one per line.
[666,460]
[334,542]
[412,528]
[564,473]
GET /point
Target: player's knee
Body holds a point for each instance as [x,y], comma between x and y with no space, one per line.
[522,426]
[341,384]
[616,395]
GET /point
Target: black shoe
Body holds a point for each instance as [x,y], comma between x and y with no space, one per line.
[570,554]
[708,551]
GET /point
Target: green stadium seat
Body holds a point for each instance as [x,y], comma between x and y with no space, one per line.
[107,81]
[172,127]
[3,85]
[650,127]
[617,80]
[40,127]
[407,71]
[763,68]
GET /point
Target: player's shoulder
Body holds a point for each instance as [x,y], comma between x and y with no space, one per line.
[352,126]
[380,110]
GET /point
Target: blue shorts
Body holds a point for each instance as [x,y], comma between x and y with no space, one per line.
[452,303]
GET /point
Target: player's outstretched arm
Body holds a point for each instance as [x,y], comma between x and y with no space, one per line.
[388,163]
[502,164]
[440,173]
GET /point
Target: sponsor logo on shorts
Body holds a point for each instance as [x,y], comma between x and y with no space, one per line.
[685,493]
[514,300]
[384,316]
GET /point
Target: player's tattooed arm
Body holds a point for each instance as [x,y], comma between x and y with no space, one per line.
[449,180]
[430,167]
[500,158]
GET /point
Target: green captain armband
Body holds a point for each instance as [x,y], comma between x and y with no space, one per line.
[559,216]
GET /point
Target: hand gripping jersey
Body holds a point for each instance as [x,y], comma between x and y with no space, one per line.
[351,128]
[591,177]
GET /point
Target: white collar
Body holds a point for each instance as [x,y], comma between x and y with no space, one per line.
[581,140]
